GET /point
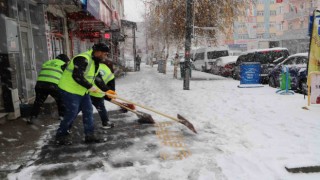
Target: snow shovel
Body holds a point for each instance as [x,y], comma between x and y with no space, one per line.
[179,118]
[144,118]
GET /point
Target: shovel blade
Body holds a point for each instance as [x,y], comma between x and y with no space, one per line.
[185,122]
[144,118]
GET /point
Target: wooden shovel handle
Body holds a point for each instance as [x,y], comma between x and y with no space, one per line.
[123,106]
[150,109]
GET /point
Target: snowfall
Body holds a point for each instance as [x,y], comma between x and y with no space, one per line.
[243,133]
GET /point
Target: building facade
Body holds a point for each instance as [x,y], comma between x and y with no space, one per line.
[272,23]
[34,31]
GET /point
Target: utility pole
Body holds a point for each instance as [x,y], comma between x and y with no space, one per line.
[134,27]
[186,80]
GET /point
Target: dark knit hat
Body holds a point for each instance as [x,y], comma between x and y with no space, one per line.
[101,47]
[63,57]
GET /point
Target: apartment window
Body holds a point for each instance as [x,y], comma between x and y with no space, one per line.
[293,8]
[272,24]
[280,26]
[301,24]
[290,26]
[242,26]
[260,36]
[260,25]
[243,36]
[273,13]
[260,2]
[260,13]
[302,6]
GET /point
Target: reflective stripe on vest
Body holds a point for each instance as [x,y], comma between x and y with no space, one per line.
[51,71]
[67,83]
[106,75]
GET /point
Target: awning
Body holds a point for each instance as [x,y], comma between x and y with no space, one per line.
[85,25]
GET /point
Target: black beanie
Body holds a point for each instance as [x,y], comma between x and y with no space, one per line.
[101,47]
[63,57]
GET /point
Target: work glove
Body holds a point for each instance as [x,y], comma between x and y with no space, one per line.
[106,98]
[112,93]
[93,89]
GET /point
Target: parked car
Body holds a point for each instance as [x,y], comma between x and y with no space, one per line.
[302,81]
[224,65]
[203,57]
[268,58]
[294,63]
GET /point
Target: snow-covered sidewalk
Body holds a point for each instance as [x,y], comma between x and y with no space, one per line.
[243,133]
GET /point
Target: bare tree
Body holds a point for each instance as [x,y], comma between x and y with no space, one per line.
[166,19]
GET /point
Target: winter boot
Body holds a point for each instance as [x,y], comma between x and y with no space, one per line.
[31,120]
[92,139]
[63,140]
[107,125]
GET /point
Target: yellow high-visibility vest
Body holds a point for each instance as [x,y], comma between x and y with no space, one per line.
[67,83]
[106,75]
[51,71]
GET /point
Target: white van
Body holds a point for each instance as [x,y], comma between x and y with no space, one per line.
[204,57]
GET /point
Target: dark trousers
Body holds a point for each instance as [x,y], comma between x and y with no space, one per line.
[99,105]
[43,90]
[74,104]
[137,67]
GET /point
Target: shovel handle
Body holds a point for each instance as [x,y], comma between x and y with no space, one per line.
[150,109]
[121,105]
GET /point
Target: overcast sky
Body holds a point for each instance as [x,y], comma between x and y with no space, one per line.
[133,10]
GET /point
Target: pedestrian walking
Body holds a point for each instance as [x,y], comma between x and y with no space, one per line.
[47,84]
[98,98]
[75,84]
[138,61]
[175,66]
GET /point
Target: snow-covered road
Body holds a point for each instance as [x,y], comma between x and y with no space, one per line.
[243,133]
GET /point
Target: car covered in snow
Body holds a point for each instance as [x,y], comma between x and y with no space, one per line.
[268,58]
[223,66]
[295,63]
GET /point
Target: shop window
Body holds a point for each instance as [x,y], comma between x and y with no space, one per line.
[34,14]
[22,11]
[4,8]
[56,26]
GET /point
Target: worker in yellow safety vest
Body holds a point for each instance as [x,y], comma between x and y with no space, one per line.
[47,84]
[98,98]
[76,83]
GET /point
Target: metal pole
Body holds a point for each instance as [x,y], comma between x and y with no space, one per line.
[134,47]
[186,80]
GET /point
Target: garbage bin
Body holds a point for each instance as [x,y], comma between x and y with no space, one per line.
[285,81]
[161,66]
[182,69]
